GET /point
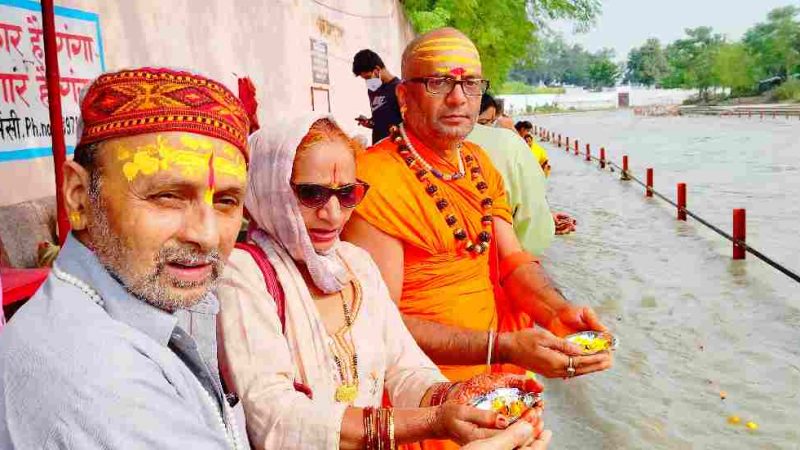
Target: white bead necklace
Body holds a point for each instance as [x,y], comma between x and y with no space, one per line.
[447,177]
[78,283]
[232,436]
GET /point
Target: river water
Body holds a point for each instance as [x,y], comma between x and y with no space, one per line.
[691,321]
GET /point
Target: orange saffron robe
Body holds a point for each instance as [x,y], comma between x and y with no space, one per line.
[442,282]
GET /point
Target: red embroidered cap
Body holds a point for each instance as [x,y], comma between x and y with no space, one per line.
[151,100]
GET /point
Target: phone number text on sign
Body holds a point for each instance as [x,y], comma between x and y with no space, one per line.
[24,114]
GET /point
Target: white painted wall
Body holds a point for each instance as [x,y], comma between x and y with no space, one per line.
[267,40]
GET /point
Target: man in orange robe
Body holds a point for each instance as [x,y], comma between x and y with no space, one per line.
[437,223]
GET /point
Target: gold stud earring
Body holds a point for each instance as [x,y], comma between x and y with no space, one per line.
[75,218]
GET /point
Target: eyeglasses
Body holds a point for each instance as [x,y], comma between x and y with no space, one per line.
[317,195]
[473,87]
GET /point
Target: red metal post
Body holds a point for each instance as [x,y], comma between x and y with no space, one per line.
[624,175]
[682,201]
[602,157]
[56,123]
[576,146]
[739,233]
[649,192]
[588,153]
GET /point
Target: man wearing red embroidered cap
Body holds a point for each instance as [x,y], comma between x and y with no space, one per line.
[118,348]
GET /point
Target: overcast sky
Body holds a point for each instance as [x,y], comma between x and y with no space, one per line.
[625,24]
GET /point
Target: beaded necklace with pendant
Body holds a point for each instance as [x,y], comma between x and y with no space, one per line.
[411,157]
[344,352]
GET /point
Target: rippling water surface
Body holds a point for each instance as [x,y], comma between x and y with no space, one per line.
[691,321]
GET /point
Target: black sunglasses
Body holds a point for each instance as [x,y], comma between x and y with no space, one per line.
[317,195]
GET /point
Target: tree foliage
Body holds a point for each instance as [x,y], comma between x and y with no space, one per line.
[702,59]
[504,31]
[735,68]
[776,42]
[561,63]
[647,64]
[603,72]
[691,60]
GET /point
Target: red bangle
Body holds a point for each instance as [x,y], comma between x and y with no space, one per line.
[440,392]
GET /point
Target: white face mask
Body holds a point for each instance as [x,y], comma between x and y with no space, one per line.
[373,84]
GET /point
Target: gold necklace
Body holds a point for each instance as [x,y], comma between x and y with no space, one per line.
[345,351]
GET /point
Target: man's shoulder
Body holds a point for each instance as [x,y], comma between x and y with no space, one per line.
[67,334]
[382,152]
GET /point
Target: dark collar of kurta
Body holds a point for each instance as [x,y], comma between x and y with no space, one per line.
[77,260]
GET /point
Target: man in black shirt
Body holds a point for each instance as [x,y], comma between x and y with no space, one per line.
[381,86]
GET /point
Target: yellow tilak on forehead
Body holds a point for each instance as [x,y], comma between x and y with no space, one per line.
[439,48]
[151,158]
[446,40]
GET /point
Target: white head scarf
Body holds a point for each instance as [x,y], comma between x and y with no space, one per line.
[271,202]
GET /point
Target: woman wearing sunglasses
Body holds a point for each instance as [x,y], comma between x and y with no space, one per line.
[311,373]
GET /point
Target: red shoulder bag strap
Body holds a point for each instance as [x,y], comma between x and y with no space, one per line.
[275,290]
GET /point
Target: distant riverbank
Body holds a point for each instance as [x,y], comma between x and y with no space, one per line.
[578,99]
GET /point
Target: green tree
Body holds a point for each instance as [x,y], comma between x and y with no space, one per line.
[647,64]
[691,60]
[502,30]
[556,63]
[603,72]
[776,42]
[735,68]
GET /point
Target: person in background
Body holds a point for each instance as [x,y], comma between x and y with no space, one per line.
[565,224]
[492,115]
[523,179]
[525,129]
[381,85]
[117,349]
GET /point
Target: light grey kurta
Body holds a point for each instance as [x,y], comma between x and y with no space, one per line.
[78,375]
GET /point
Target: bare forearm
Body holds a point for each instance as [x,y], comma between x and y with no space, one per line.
[410,425]
[533,291]
[446,344]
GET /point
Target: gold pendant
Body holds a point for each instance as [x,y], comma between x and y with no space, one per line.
[346,393]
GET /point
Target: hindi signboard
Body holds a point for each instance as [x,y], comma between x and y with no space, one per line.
[24,116]
[319,62]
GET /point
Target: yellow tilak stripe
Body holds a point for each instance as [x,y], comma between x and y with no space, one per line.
[433,48]
[445,40]
[452,58]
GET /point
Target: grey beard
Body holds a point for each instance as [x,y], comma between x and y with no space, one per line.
[150,286]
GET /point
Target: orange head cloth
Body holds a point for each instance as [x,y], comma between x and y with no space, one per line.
[247,94]
[151,100]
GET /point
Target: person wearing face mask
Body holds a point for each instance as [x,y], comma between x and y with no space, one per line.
[381,86]
[311,369]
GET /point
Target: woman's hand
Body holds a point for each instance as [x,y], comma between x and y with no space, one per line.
[527,433]
[481,384]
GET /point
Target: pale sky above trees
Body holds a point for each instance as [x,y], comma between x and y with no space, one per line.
[625,24]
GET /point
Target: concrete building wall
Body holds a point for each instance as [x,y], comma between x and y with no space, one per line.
[267,40]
